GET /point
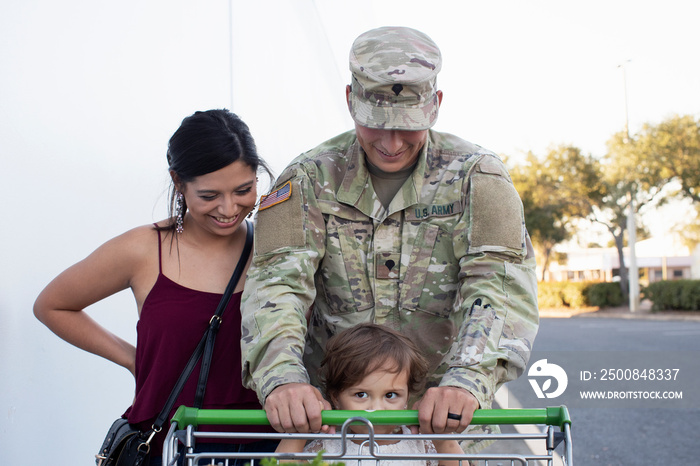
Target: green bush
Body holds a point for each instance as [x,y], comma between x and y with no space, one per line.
[578,294]
[560,294]
[677,295]
[573,294]
[604,294]
[549,295]
[318,461]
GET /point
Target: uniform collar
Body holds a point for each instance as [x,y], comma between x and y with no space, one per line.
[356,190]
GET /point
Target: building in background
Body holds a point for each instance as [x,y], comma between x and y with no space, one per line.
[659,258]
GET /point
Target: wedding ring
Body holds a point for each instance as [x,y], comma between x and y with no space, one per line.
[456,417]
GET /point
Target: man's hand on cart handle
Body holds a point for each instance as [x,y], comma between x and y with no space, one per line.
[444,410]
[296,408]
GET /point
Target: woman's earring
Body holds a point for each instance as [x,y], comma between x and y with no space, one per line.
[179,211]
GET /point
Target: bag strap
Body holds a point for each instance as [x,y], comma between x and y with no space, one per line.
[206,344]
[215,321]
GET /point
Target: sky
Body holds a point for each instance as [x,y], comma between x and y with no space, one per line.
[90,92]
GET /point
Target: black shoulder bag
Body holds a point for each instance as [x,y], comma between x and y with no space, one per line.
[127,446]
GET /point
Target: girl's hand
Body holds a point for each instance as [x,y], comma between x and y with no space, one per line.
[450,447]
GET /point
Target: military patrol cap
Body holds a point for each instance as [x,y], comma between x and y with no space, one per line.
[394,71]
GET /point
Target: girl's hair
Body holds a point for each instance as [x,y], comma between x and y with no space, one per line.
[206,142]
[353,354]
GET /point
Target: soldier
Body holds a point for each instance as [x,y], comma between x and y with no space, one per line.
[397,224]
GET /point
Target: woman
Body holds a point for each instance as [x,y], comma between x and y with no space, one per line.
[178,270]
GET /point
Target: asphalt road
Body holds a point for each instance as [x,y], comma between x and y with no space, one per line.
[629,431]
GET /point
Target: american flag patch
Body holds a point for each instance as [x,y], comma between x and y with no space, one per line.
[275,197]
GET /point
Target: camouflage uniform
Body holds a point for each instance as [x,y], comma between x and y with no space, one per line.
[448,263]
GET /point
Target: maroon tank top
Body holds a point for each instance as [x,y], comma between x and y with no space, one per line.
[173,320]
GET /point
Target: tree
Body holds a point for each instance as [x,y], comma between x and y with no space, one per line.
[689,230]
[627,175]
[580,186]
[548,213]
[671,151]
[544,211]
[637,169]
[568,184]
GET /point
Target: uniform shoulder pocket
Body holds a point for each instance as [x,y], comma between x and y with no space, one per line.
[496,221]
[280,220]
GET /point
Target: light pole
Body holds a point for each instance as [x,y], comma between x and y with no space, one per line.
[624,85]
[230,53]
[633,275]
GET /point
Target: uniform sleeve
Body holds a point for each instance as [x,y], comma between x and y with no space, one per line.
[498,285]
[279,291]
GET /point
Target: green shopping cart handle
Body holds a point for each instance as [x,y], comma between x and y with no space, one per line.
[554,416]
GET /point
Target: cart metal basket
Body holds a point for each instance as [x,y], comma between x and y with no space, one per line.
[555,434]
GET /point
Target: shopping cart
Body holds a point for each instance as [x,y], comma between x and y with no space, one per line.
[556,432]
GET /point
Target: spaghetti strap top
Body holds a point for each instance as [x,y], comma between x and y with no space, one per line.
[173,320]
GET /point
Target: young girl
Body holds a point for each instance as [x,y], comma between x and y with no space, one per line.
[371,367]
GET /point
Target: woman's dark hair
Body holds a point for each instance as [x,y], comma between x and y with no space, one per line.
[206,142]
[354,353]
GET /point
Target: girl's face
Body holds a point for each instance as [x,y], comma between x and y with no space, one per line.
[382,389]
[219,201]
